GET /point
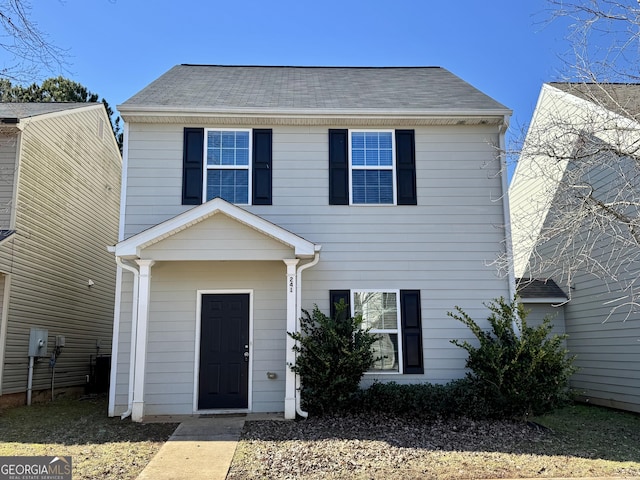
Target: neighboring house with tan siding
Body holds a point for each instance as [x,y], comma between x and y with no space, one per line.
[574,124]
[250,193]
[60,171]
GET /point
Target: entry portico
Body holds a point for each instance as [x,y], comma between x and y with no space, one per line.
[214,238]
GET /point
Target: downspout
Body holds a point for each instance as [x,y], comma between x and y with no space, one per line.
[134,330]
[312,263]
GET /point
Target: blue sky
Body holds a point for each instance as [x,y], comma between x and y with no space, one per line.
[116,47]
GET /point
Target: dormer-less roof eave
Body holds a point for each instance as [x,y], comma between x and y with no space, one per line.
[155,114]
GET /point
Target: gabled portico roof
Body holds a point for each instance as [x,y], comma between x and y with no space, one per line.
[133,246]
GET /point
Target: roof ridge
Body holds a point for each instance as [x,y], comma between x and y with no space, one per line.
[371,67]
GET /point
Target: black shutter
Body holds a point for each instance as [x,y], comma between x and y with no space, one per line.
[334,297]
[338,167]
[412,355]
[192,166]
[262,159]
[406,167]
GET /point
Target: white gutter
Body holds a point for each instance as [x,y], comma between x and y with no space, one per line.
[134,330]
[312,263]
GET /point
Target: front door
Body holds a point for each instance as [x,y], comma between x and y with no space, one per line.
[224,352]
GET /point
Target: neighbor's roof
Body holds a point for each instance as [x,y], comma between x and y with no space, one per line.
[621,98]
[533,288]
[303,89]
[26,110]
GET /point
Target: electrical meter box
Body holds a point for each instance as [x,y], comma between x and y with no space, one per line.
[38,342]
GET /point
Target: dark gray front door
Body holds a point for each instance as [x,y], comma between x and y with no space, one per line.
[224,341]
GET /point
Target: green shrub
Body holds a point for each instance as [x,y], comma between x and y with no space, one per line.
[516,370]
[333,354]
[422,401]
[465,398]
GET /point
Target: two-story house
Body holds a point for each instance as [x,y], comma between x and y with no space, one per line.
[60,170]
[250,193]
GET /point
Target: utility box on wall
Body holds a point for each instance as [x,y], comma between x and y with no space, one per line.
[38,342]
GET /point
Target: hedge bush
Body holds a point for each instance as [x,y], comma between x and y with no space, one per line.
[516,369]
[424,401]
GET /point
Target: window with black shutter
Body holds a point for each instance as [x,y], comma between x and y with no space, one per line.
[395,316]
[232,164]
[364,163]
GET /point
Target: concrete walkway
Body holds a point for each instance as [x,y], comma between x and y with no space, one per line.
[200,448]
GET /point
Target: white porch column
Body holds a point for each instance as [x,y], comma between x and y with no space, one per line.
[290,377]
[144,292]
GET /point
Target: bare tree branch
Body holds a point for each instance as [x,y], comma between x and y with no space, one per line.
[29,50]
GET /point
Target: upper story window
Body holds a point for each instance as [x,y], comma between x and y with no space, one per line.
[228,165]
[232,164]
[372,167]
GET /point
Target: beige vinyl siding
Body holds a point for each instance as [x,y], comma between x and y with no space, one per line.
[67,213]
[444,246]
[4,287]
[8,152]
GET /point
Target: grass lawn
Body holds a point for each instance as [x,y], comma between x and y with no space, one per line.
[102,448]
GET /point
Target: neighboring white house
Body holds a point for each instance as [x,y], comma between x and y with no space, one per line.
[60,171]
[250,193]
[578,171]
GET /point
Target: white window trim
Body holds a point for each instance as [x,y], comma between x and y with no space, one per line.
[208,167]
[196,369]
[365,167]
[397,331]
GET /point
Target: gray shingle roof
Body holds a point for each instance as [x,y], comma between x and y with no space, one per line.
[622,98]
[533,288]
[25,110]
[220,88]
